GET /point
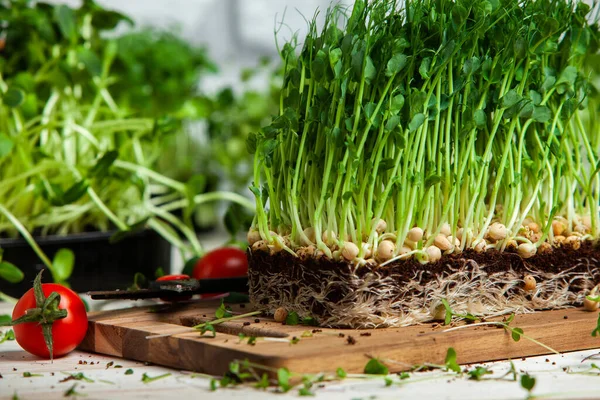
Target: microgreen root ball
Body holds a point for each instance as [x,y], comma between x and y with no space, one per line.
[527,250]
[590,305]
[415,234]
[260,245]
[385,250]
[445,229]
[442,242]
[573,242]
[253,236]
[280,314]
[434,253]
[558,227]
[529,283]
[350,251]
[380,225]
[367,250]
[545,248]
[497,231]
[410,244]
[310,234]
[455,242]
[329,237]
[533,227]
[559,240]
[480,245]
[306,252]
[587,222]
[404,250]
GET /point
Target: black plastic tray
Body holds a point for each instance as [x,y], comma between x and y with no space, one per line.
[99,265]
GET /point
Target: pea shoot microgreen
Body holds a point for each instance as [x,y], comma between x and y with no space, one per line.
[527,382]
[209,326]
[71,392]
[450,314]
[478,373]
[223,311]
[375,367]
[30,375]
[7,335]
[148,379]
[596,331]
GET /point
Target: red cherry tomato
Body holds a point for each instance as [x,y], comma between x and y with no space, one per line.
[174,278]
[67,332]
[226,262]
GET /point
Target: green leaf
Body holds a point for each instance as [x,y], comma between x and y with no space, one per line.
[283,379]
[396,64]
[388,381]
[222,311]
[62,265]
[75,192]
[292,318]
[451,362]
[8,335]
[479,118]
[375,367]
[207,327]
[6,145]
[510,99]
[370,71]
[139,282]
[596,331]
[568,76]
[10,273]
[541,114]
[102,166]
[129,371]
[397,104]
[527,382]
[5,319]
[90,60]
[340,373]
[424,67]
[535,97]
[478,373]
[263,383]
[392,123]
[13,97]
[65,18]
[449,312]
[416,122]
[471,65]
[516,334]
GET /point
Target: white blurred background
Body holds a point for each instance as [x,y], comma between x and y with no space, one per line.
[235,32]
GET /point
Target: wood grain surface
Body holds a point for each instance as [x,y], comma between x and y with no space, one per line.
[164,337]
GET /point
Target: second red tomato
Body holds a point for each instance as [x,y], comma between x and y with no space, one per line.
[226,262]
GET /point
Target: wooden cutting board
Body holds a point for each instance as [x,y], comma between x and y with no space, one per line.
[164,338]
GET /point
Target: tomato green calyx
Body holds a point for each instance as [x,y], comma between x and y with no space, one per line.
[45,312]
